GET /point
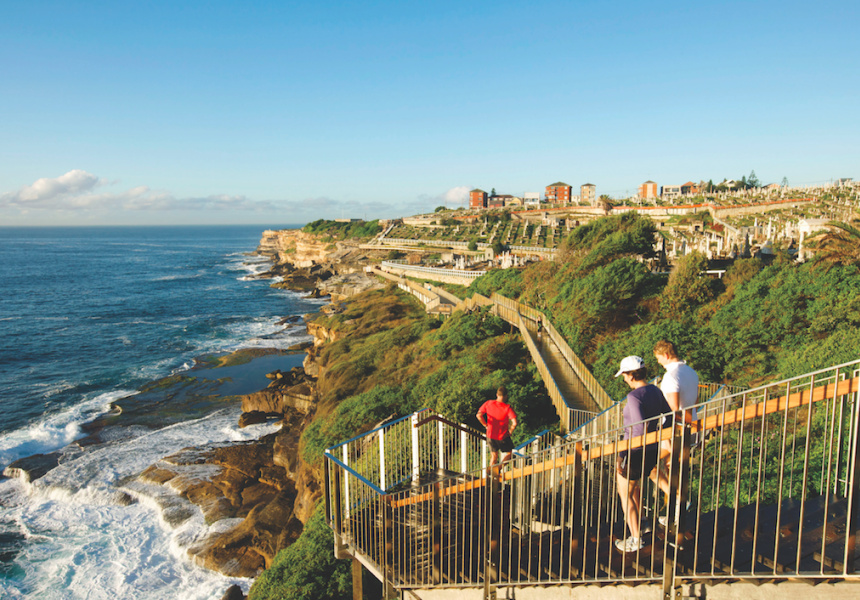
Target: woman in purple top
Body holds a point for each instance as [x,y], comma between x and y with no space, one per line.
[645,401]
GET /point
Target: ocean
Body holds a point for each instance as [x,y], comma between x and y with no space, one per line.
[87,316]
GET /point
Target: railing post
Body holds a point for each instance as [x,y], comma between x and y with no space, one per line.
[382,458]
[441,444]
[346,481]
[387,552]
[676,520]
[464,452]
[491,538]
[854,489]
[578,499]
[484,454]
[436,536]
[416,451]
[337,516]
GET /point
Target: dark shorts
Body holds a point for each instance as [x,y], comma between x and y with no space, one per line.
[503,445]
[638,462]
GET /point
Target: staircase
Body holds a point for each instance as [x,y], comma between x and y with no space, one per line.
[765,489]
[576,394]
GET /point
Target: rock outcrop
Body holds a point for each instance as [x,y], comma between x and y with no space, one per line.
[295,247]
[292,390]
[258,487]
[257,495]
[306,262]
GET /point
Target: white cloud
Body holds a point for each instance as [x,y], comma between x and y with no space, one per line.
[457,196]
[78,191]
[453,198]
[45,189]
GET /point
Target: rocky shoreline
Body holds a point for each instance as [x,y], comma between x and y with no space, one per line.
[258,494]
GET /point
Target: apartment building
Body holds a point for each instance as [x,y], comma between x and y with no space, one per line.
[588,193]
[558,193]
[648,190]
[690,189]
[477,199]
[670,192]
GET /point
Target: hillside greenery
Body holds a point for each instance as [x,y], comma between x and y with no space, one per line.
[393,359]
[343,230]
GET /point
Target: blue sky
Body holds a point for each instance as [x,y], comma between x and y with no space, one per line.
[284,112]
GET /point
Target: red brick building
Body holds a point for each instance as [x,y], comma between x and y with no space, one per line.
[648,190]
[558,193]
[477,199]
[689,189]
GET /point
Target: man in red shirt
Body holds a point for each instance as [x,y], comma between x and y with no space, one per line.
[500,420]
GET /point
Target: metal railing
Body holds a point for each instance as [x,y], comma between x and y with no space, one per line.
[710,391]
[587,392]
[404,266]
[764,486]
[462,245]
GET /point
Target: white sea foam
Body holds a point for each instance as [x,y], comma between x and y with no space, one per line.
[74,514]
[105,552]
[254,266]
[56,430]
[177,277]
[55,387]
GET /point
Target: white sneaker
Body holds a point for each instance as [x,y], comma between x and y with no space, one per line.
[631,544]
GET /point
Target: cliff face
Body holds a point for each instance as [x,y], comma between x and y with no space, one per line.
[296,248]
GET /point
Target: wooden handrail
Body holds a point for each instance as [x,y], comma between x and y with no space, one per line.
[755,411]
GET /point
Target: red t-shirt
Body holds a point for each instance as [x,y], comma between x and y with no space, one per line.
[498,415]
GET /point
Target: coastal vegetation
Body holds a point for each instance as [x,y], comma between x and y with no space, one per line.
[390,358]
[759,322]
[386,357]
[343,230]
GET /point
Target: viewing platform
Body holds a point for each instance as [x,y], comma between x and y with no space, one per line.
[764,497]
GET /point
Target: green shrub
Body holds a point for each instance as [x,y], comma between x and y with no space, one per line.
[507,282]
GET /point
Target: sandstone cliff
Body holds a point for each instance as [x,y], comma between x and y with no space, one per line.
[309,262]
[295,247]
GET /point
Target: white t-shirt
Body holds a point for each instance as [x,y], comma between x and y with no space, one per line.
[681,378]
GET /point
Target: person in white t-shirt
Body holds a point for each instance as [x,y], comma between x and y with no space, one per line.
[680,386]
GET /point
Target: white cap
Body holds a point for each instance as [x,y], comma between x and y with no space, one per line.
[630,363]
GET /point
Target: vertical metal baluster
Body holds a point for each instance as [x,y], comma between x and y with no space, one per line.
[805,488]
[762,454]
[853,484]
[830,465]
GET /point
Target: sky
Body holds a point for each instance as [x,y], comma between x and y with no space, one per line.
[220,112]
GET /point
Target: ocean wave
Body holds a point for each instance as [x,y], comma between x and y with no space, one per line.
[182,276]
[55,431]
[253,266]
[47,390]
[107,551]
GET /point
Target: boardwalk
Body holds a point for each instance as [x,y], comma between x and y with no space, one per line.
[569,383]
